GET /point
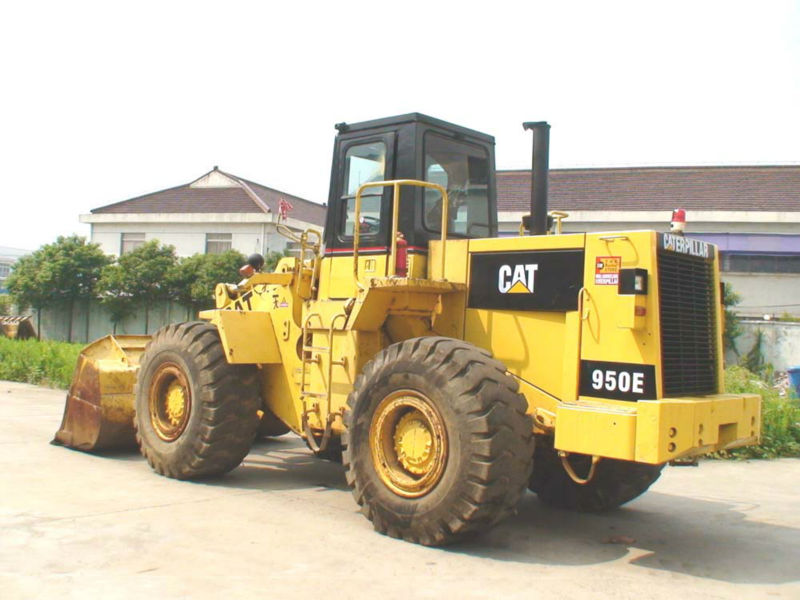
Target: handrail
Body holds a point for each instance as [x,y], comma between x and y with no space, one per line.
[558,215]
[306,244]
[286,232]
[396,183]
[314,250]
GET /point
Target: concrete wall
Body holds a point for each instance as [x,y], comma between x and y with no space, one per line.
[768,222]
[571,225]
[774,294]
[780,346]
[190,238]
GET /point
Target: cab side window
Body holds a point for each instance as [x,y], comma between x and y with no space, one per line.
[463,170]
[364,163]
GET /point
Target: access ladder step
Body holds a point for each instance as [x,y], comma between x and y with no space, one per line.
[317,348]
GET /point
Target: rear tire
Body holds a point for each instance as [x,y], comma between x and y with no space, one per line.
[269,425]
[615,481]
[438,445]
[195,413]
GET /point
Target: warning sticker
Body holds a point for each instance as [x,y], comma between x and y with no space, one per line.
[606,270]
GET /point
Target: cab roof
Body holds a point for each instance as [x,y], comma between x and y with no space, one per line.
[412,118]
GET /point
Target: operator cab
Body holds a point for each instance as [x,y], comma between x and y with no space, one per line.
[412,146]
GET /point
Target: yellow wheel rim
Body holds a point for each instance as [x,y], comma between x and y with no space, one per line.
[408,442]
[169,401]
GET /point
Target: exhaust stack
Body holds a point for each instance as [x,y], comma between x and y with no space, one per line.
[536,223]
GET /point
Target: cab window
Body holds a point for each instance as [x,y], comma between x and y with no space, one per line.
[463,170]
[364,163]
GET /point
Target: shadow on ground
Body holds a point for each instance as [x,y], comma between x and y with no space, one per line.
[699,537]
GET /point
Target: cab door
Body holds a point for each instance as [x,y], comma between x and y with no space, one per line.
[364,160]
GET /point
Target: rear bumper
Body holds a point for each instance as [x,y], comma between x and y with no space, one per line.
[657,431]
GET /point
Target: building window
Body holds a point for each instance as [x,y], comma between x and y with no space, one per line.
[217,243]
[130,242]
[5,271]
[760,263]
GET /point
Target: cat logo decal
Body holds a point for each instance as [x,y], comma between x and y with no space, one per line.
[516,279]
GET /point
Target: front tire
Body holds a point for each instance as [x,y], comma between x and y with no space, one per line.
[196,414]
[615,482]
[438,445]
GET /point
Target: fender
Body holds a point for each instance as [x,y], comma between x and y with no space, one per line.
[248,337]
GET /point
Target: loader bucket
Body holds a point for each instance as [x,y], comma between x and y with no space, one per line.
[99,410]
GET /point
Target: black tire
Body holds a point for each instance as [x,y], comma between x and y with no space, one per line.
[270,425]
[489,440]
[615,481]
[218,429]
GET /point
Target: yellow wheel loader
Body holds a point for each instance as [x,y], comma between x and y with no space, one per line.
[448,368]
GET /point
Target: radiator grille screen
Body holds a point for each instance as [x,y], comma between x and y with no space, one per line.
[687,301]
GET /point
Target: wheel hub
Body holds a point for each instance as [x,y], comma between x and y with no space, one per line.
[413,442]
[176,402]
[169,401]
[408,442]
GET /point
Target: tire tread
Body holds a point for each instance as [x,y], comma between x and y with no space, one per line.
[499,456]
[225,394]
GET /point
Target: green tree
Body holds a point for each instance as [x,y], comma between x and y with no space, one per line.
[57,274]
[733,328]
[26,288]
[5,304]
[755,362]
[272,258]
[140,278]
[114,296]
[195,277]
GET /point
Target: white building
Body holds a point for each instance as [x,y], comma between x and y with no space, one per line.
[212,214]
[8,256]
[752,213]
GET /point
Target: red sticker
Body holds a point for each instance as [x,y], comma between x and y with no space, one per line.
[606,270]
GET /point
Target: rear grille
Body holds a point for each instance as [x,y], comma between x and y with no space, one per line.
[687,301]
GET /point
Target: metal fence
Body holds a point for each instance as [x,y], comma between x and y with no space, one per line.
[91,321]
[780,346]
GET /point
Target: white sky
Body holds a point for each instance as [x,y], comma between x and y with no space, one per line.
[105,101]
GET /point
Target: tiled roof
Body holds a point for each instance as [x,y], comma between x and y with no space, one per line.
[304,210]
[769,188]
[235,199]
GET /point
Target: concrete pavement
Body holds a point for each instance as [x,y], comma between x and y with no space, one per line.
[75,525]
